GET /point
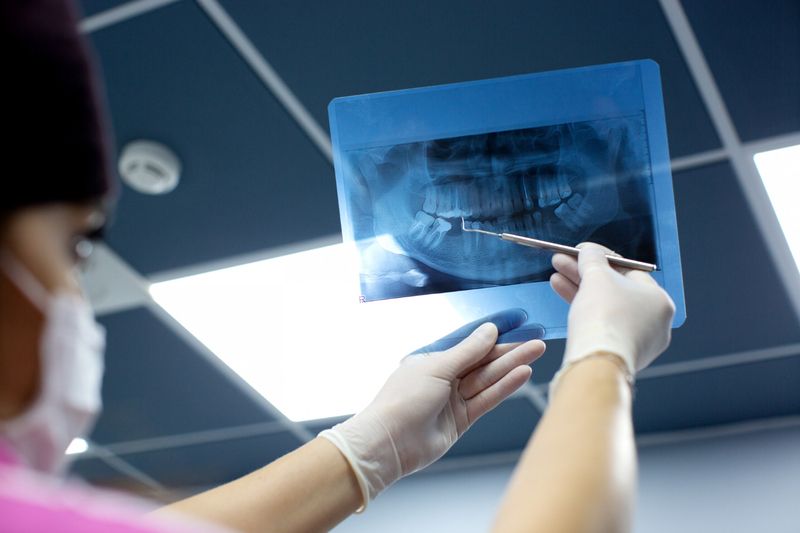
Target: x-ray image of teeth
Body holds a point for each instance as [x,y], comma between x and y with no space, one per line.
[565,183]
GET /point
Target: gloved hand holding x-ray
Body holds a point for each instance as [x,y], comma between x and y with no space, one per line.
[563,157]
[431,399]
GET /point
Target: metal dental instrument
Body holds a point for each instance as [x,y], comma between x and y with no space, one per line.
[562,248]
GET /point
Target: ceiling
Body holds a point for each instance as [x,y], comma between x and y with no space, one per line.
[240,90]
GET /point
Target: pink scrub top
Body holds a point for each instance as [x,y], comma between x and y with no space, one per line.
[32,502]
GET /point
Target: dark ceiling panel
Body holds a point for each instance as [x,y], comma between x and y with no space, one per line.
[753,49]
[721,396]
[353,47]
[734,298]
[156,385]
[251,179]
[545,367]
[206,465]
[97,472]
[507,428]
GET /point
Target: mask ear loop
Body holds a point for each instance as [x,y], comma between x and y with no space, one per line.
[24,280]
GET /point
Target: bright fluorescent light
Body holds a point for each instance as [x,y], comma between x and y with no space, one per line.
[293,329]
[780,172]
[77,446]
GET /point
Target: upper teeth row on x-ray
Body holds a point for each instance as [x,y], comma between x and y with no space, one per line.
[502,181]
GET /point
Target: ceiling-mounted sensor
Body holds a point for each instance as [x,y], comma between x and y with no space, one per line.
[149,167]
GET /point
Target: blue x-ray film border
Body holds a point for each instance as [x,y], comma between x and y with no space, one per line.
[574,95]
[664,197]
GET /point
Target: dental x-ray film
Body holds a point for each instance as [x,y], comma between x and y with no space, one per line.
[567,156]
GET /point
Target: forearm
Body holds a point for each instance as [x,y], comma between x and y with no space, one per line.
[310,489]
[578,472]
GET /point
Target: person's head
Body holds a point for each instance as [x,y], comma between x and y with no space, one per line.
[57,180]
[55,152]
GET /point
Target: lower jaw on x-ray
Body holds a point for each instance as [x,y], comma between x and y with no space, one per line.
[565,183]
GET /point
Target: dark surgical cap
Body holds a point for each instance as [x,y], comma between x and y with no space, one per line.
[57,144]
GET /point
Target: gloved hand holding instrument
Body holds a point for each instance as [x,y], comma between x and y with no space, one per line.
[620,313]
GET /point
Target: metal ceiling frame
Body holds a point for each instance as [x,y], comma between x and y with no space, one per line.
[132,292]
[121,13]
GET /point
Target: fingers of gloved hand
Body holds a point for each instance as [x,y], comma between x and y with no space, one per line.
[467,352]
[589,244]
[567,266]
[498,351]
[608,252]
[489,398]
[640,277]
[487,375]
[505,320]
[592,258]
[563,287]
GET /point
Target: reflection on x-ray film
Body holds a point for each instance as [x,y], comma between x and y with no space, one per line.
[565,183]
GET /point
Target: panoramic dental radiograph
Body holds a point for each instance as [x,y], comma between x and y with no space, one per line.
[565,183]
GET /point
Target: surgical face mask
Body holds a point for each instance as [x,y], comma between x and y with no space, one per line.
[71,372]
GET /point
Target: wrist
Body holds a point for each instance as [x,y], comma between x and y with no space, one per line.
[601,361]
[334,471]
[596,338]
[369,449]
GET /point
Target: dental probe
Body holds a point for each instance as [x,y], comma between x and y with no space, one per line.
[562,248]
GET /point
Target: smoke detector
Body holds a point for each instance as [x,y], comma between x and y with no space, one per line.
[149,167]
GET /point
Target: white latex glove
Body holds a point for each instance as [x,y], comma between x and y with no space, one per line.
[618,312]
[427,404]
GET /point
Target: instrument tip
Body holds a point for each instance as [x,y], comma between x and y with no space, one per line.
[465,229]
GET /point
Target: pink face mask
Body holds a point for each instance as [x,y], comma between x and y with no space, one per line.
[71,351]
